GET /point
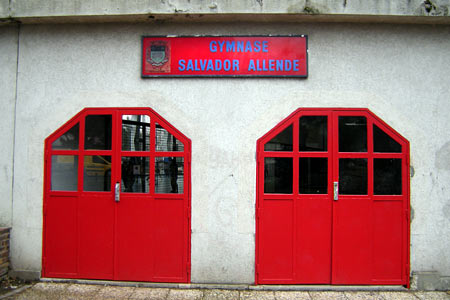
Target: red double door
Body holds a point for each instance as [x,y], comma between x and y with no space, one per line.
[116,198]
[332,200]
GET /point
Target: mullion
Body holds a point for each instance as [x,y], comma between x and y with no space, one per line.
[166,154]
[64,152]
[135,153]
[313,154]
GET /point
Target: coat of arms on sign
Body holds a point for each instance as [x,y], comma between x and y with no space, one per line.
[157,57]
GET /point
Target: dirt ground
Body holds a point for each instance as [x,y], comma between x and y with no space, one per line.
[9,284]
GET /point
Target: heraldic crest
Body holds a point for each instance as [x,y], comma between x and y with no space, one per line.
[157,57]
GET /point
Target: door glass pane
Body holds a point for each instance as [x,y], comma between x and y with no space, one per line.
[352,134]
[97,173]
[98,132]
[313,133]
[382,142]
[278,175]
[135,133]
[313,175]
[165,141]
[64,173]
[69,140]
[169,175]
[353,176]
[387,176]
[135,174]
[281,142]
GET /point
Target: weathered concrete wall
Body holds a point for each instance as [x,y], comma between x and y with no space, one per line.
[8,63]
[399,72]
[293,10]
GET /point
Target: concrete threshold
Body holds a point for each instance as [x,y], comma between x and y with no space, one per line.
[220,286]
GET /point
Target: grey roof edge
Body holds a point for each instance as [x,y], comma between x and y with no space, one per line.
[283,18]
[79,11]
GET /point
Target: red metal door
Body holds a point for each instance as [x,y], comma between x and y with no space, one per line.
[117,198]
[333,197]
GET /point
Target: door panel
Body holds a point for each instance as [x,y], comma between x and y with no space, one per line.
[168,222]
[387,240]
[314,240]
[276,239]
[134,238]
[63,248]
[351,240]
[96,236]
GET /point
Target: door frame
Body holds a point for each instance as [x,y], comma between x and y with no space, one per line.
[291,119]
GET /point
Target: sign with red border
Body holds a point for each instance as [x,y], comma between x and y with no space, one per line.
[225,56]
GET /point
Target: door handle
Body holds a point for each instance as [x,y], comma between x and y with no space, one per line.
[117,192]
[336,190]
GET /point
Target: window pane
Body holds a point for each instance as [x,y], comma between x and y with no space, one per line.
[97,173]
[64,173]
[353,176]
[135,174]
[278,175]
[313,133]
[98,132]
[382,142]
[69,140]
[313,175]
[135,133]
[352,134]
[387,176]
[169,175]
[281,142]
[165,141]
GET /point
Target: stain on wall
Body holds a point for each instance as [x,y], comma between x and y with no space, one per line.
[442,161]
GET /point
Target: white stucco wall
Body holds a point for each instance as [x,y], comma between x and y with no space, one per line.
[8,66]
[400,72]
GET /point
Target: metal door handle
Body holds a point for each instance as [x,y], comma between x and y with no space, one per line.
[336,190]
[117,192]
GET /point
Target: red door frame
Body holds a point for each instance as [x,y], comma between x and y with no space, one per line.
[333,155]
[56,245]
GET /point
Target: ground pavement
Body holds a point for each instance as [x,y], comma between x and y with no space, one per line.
[72,291]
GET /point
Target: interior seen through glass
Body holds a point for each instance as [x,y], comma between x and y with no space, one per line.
[313,175]
[165,141]
[135,133]
[278,175]
[382,142]
[98,132]
[313,133]
[352,134]
[97,173]
[169,175]
[353,176]
[64,173]
[387,176]
[281,142]
[69,140]
[135,174]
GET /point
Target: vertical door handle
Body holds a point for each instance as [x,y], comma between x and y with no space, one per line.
[117,192]
[336,190]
